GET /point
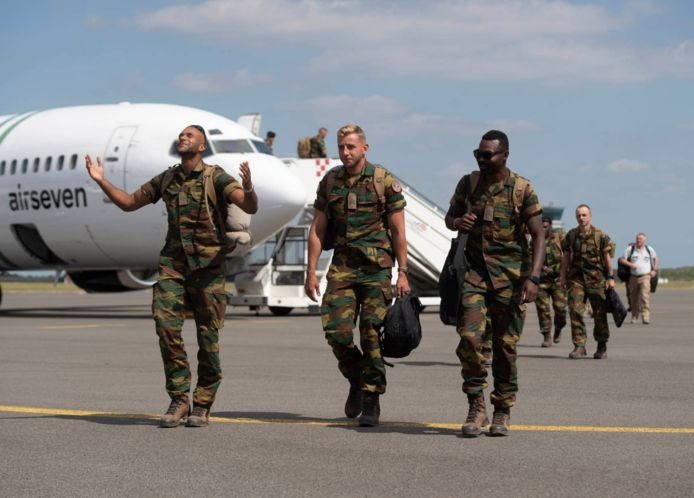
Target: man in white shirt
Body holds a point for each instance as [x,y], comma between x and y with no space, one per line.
[643,264]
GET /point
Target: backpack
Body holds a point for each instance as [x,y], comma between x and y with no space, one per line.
[452,274]
[401,331]
[303,148]
[379,187]
[233,219]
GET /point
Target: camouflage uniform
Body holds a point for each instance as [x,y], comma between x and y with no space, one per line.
[191,274]
[551,288]
[498,255]
[359,278]
[318,148]
[586,282]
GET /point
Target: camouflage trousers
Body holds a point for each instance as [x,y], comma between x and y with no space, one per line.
[498,310]
[369,297]
[546,291]
[578,295]
[176,290]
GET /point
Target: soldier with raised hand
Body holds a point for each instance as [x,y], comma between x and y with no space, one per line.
[586,273]
[550,287]
[369,227]
[191,268]
[500,280]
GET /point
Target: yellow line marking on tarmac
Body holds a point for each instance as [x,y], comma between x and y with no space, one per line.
[81,326]
[329,423]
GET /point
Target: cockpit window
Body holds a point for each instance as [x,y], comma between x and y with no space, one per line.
[261,147]
[232,146]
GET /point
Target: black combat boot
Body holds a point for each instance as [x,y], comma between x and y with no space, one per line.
[500,422]
[354,399]
[476,417]
[371,410]
[601,353]
[578,352]
[548,340]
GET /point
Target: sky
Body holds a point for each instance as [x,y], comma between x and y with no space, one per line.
[597,97]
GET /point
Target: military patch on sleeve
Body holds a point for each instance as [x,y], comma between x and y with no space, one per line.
[397,188]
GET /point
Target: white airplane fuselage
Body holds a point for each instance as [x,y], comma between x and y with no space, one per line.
[53,216]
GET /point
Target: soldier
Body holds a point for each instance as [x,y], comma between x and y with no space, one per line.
[550,287]
[499,281]
[270,139]
[586,273]
[369,227]
[191,269]
[318,148]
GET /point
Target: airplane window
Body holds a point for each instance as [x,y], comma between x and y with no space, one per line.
[214,131]
[47,166]
[174,153]
[2,168]
[61,161]
[232,146]
[25,166]
[13,167]
[261,147]
[35,169]
[73,161]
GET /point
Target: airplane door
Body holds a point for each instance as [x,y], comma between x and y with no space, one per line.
[117,153]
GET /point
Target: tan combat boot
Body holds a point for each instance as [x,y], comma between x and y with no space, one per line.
[178,412]
[354,399]
[500,422]
[199,417]
[476,417]
[548,340]
[557,335]
[578,352]
[371,410]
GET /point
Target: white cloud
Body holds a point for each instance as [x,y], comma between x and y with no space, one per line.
[218,83]
[555,42]
[626,166]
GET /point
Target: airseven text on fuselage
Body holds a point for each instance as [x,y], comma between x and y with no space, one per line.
[28,200]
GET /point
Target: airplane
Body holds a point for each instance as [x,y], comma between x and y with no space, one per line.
[54,217]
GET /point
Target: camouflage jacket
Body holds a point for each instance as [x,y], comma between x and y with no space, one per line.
[497,248]
[318,148]
[190,231]
[361,226]
[586,258]
[551,266]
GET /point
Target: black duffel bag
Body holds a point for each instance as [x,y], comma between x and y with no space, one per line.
[402,331]
[451,280]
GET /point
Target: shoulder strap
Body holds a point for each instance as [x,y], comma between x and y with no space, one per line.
[597,236]
[211,193]
[330,183]
[379,184]
[518,192]
[474,180]
[168,178]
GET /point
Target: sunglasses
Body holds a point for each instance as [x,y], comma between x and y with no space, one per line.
[485,155]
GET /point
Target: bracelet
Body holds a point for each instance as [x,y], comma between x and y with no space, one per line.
[610,277]
[404,269]
[534,279]
[249,190]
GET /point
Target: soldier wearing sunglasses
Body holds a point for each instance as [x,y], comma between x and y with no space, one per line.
[500,280]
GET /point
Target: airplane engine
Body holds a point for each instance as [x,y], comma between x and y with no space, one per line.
[113,280]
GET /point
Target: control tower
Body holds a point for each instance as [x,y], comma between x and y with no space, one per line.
[554,212]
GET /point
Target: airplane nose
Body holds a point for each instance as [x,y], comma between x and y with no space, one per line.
[281,196]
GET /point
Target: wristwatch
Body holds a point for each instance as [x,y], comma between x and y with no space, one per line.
[404,269]
[610,277]
[534,279]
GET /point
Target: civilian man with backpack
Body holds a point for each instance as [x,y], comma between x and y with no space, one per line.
[191,266]
[643,263]
[586,274]
[500,279]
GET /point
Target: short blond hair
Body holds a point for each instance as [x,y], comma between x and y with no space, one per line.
[348,129]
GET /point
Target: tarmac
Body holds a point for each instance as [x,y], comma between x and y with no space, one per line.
[82,389]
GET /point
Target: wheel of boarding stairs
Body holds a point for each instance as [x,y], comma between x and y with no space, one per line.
[279,310]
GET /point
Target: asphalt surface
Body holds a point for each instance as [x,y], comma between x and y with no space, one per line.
[81,390]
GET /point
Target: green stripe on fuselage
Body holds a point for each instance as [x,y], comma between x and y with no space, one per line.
[14,125]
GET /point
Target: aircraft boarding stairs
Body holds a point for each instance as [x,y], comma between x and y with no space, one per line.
[275,271]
